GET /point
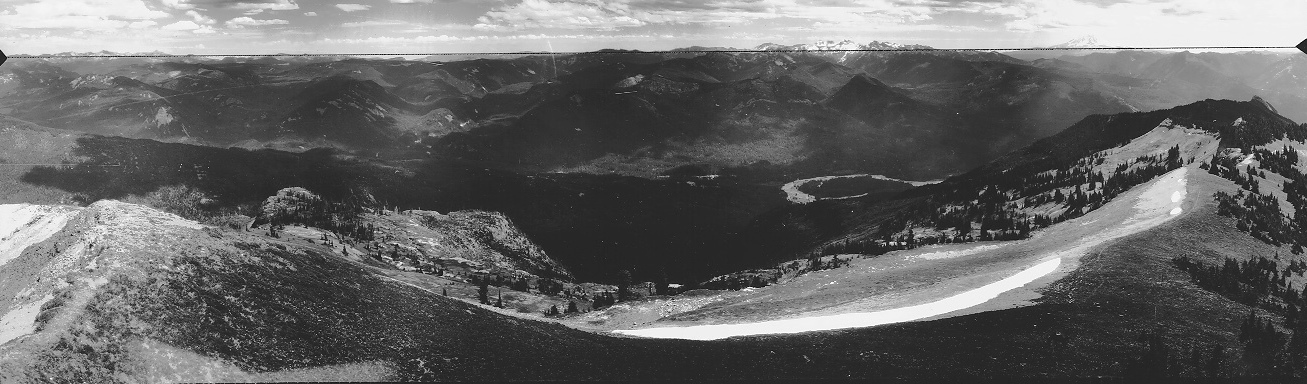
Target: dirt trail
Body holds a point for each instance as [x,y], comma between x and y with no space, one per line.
[931,282]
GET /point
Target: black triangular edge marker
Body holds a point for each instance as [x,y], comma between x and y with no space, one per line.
[1301,47]
[3,57]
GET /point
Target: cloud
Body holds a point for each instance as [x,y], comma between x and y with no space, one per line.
[184,25]
[1148,23]
[411,1]
[372,23]
[187,25]
[587,14]
[241,22]
[178,4]
[613,14]
[78,14]
[400,40]
[142,24]
[392,40]
[200,19]
[249,6]
[353,7]
[270,5]
[310,14]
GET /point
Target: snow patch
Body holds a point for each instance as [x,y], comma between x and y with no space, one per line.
[1248,159]
[21,320]
[959,252]
[22,225]
[854,320]
[162,117]
[630,81]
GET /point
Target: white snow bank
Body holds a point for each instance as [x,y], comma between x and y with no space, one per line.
[1248,159]
[959,252]
[22,225]
[21,320]
[854,320]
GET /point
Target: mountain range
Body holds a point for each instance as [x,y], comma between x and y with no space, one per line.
[543,217]
[721,109]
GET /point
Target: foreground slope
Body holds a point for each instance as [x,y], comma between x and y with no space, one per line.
[158,327]
[932,281]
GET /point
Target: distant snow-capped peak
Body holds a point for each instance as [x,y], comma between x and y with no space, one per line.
[832,45]
[842,45]
[1081,42]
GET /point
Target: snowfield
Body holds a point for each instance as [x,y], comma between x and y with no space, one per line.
[22,225]
[21,320]
[853,320]
[1039,261]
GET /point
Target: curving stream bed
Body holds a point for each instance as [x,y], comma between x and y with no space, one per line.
[794,195]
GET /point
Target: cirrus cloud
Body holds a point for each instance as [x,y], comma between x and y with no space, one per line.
[241,22]
[353,7]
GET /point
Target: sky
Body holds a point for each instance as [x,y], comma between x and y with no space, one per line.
[477,26]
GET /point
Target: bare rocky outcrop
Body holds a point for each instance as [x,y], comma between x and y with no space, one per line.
[287,205]
[472,239]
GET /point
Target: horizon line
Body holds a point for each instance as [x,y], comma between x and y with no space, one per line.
[636,51]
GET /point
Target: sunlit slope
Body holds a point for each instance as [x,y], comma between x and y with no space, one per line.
[1094,320]
[1089,322]
[932,281]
